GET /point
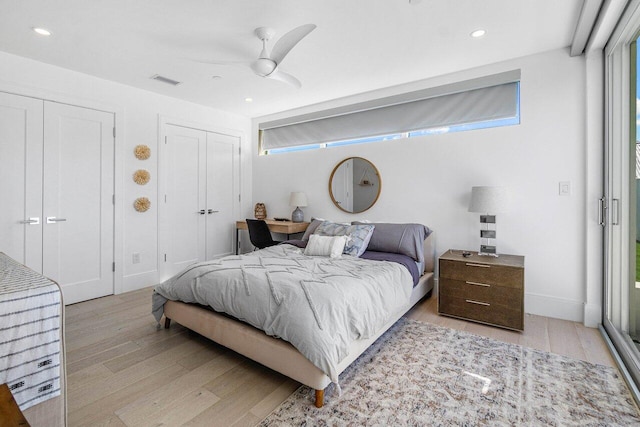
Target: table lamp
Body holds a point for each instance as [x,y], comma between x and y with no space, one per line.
[488,201]
[297,199]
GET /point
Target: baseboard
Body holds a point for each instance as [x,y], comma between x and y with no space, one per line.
[592,315]
[558,308]
[133,282]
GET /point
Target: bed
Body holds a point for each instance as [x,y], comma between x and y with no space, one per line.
[32,343]
[313,318]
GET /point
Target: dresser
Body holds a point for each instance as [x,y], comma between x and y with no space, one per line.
[483,289]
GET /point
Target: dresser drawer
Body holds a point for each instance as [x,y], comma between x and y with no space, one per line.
[470,309]
[482,273]
[492,294]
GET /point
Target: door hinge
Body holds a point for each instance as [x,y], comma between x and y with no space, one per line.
[239,198]
[113,266]
[165,257]
[114,131]
[113,199]
[165,139]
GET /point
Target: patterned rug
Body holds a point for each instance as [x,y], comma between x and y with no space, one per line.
[421,374]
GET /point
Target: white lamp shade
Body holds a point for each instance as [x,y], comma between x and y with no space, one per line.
[298,198]
[489,200]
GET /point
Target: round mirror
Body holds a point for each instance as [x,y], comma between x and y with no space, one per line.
[354,185]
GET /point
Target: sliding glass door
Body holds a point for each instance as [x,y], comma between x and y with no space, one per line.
[621,202]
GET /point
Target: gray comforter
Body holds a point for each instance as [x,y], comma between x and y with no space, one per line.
[318,304]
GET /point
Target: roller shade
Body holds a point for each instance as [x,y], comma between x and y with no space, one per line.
[406,114]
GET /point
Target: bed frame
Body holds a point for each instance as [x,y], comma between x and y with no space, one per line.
[278,354]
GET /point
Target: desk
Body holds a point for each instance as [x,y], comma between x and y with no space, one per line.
[283,227]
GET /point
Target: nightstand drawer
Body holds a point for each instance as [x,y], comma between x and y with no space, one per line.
[492,294]
[482,273]
[479,311]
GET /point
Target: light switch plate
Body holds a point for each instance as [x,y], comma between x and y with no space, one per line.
[564,188]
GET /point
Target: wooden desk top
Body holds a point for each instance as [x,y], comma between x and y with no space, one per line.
[285,227]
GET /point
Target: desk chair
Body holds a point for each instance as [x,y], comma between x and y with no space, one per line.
[259,234]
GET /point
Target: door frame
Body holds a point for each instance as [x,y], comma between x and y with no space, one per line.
[163,215]
[617,167]
[118,167]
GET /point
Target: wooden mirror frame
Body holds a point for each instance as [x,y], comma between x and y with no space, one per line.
[374,170]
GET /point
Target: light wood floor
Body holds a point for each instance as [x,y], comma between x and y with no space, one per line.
[122,371]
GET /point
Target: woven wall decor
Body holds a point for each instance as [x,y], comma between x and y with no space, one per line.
[141,177]
[260,211]
[142,204]
[142,152]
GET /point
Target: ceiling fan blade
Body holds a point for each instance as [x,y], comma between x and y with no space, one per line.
[285,78]
[288,41]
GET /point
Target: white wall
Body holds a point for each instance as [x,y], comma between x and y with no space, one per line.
[428,179]
[425,179]
[137,122]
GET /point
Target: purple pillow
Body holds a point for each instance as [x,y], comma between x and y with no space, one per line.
[315,222]
[405,239]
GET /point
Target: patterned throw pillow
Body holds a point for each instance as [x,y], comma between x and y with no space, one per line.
[358,235]
[331,246]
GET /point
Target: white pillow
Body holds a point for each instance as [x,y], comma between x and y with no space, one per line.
[331,246]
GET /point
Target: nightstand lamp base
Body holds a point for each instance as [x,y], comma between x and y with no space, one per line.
[487,235]
[488,250]
[484,200]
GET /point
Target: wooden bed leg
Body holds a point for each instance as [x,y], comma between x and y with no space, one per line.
[319,398]
[167,322]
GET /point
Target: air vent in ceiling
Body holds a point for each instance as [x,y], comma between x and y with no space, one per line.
[166,80]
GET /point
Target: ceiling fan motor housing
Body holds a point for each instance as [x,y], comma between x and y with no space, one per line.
[263,66]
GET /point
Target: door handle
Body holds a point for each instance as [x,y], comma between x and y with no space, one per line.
[210,211]
[602,208]
[615,212]
[53,219]
[202,211]
[31,221]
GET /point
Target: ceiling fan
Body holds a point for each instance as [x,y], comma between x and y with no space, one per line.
[268,64]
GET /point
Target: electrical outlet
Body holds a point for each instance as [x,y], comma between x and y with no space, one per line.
[136,258]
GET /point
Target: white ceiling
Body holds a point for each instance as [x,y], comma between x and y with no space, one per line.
[358,45]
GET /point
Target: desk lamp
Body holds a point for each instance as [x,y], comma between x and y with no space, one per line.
[297,199]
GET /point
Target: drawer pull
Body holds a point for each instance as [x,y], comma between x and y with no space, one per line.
[470,301]
[470,264]
[478,284]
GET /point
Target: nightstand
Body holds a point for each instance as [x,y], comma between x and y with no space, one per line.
[483,289]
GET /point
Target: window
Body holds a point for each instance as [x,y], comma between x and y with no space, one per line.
[492,101]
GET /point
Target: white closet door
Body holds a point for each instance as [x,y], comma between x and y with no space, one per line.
[21,179]
[222,193]
[185,153]
[77,200]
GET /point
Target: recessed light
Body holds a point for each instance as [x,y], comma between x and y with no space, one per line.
[248,100]
[478,33]
[216,77]
[42,31]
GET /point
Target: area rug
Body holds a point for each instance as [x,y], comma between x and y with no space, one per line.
[421,374]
